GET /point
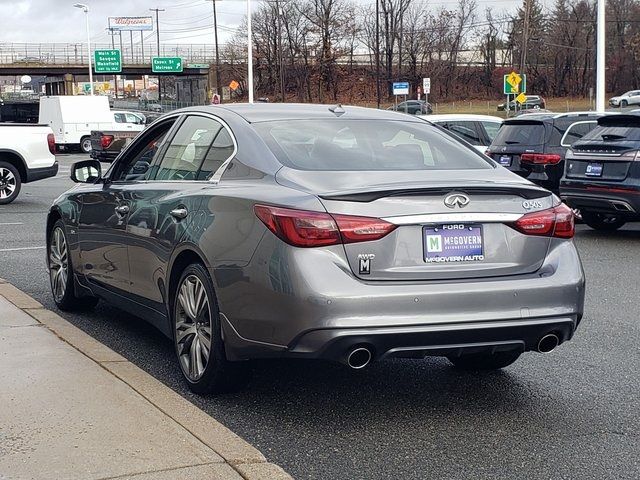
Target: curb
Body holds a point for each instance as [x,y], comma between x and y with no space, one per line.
[239,454]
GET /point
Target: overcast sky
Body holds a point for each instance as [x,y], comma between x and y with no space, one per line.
[183,21]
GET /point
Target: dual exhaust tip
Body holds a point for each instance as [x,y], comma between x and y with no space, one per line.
[359,357]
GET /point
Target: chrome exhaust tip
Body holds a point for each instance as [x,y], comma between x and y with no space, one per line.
[547,343]
[359,358]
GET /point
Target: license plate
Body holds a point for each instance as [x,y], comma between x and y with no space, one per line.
[594,170]
[453,243]
[505,160]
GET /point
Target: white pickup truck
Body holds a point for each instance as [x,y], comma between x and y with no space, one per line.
[26,155]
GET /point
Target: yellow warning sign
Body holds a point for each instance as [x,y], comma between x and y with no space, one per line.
[514,80]
[521,98]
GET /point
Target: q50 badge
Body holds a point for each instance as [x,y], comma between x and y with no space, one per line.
[531,204]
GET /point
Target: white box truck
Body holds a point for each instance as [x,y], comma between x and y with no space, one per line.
[72,118]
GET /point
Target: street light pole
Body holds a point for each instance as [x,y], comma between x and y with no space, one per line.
[600,63]
[249,53]
[215,36]
[157,10]
[85,9]
[378,51]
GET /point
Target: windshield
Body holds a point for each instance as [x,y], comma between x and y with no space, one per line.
[344,145]
[520,133]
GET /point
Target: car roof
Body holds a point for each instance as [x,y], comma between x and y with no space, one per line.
[550,117]
[460,116]
[265,112]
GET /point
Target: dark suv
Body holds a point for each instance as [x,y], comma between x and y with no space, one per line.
[534,145]
[602,174]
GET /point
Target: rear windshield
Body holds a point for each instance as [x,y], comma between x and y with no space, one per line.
[341,144]
[520,133]
[613,133]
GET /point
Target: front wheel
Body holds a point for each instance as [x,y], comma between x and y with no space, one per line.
[624,103]
[9,183]
[602,222]
[61,273]
[485,361]
[85,144]
[198,336]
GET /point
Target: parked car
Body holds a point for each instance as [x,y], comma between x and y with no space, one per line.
[130,118]
[532,102]
[534,146]
[257,231]
[413,107]
[26,155]
[602,174]
[478,130]
[632,97]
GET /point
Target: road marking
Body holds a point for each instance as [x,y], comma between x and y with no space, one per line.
[20,248]
[16,223]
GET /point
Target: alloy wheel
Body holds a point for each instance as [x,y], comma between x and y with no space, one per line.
[58,263]
[193,327]
[8,183]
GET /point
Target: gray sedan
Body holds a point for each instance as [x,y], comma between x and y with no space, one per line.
[308,231]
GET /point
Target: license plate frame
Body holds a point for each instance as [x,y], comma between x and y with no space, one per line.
[446,244]
[505,160]
[594,169]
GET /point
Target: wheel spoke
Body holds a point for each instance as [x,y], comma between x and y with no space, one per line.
[192,360]
[184,330]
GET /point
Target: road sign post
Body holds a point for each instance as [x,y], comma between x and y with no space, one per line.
[426,88]
[400,88]
[514,84]
[166,65]
[107,61]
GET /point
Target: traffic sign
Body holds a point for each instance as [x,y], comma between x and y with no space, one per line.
[426,85]
[521,98]
[107,61]
[86,87]
[234,85]
[401,88]
[515,84]
[166,65]
[197,65]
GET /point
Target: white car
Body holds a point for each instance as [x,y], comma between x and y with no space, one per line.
[632,97]
[26,155]
[478,130]
[130,118]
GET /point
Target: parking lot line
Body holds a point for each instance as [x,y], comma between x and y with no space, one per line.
[10,224]
[20,248]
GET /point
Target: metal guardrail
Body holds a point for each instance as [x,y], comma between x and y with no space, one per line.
[76,53]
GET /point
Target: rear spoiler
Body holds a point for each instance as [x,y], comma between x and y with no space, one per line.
[624,120]
[528,192]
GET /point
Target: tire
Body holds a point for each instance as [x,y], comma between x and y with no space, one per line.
[197,336]
[602,222]
[85,144]
[624,104]
[61,273]
[485,361]
[10,183]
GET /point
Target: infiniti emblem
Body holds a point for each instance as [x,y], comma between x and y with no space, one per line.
[454,200]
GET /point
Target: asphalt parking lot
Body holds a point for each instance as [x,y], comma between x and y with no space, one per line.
[572,413]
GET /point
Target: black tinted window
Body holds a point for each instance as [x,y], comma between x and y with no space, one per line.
[366,145]
[465,130]
[520,133]
[221,149]
[577,131]
[612,133]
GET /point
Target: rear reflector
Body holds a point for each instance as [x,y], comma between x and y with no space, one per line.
[554,222]
[302,228]
[51,143]
[106,140]
[540,158]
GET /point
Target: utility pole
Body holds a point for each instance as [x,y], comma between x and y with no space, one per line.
[157,10]
[280,50]
[249,53]
[215,36]
[600,63]
[378,51]
[525,35]
[113,47]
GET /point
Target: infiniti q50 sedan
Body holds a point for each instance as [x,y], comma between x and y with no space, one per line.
[318,232]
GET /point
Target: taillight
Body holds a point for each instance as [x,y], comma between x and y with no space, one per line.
[105,140]
[553,222]
[302,228]
[51,143]
[540,158]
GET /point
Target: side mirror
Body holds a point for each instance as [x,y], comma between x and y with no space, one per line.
[87,171]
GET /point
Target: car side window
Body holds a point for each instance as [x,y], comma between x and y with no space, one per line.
[137,166]
[465,130]
[221,149]
[492,129]
[187,150]
[131,118]
[119,118]
[576,131]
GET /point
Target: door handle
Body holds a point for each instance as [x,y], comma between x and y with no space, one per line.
[122,210]
[179,213]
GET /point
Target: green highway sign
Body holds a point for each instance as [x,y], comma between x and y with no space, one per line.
[166,65]
[515,84]
[197,65]
[107,61]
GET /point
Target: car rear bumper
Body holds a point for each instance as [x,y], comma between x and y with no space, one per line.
[308,304]
[104,155]
[605,200]
[35,174]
